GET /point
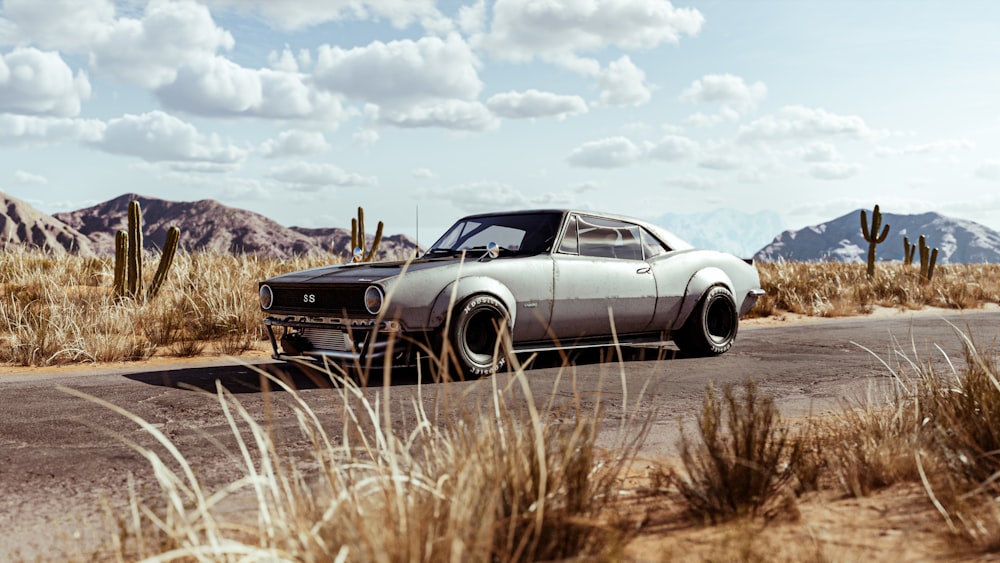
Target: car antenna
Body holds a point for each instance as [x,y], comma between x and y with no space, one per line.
[416,239]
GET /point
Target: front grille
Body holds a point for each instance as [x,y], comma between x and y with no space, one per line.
[336,301]
[329,339]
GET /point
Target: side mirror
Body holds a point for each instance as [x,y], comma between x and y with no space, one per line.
[358,255]
[492,251]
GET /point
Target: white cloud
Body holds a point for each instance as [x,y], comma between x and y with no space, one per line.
[219,87]
[450,114]
[557,30]
[727,89]
[365,137]
[295,143]
[818,152]
[156,136]
[834,170]
[213,86]
[532,104]
[146,50]
[623,84]
[725,114]
[292,15]
[28,179]
[472,18]
[720,161]
[423,174]
[70,25]
[19,129]
[487,195]
[989,169]
[401,73]
[935,147]
[612,152]
[311,177]
[149,51]
[799,122]
[37,82]
[673,147]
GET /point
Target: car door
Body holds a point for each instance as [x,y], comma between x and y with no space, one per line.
[599,268]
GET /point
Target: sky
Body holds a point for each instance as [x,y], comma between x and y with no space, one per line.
[423,111]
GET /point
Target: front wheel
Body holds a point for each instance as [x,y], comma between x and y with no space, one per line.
[711,328]
[476,336]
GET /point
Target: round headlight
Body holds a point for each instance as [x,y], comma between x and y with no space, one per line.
[374,299]
[266,297]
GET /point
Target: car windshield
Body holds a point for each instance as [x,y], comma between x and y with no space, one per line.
[521,234]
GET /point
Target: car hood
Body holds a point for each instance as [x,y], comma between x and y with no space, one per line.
[362,273]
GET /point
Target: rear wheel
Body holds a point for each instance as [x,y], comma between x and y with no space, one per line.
[711,328]
[475,336]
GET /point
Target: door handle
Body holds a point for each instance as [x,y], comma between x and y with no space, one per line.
[645,270]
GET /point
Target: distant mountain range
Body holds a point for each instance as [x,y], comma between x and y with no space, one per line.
[840,240]
[727,230]
[206,225]
[22,224]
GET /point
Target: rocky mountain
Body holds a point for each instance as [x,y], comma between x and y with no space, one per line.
[22,224]
[727,230]
[957,240]
[208,225]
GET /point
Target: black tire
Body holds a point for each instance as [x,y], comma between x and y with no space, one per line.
[711,328]
[474,333]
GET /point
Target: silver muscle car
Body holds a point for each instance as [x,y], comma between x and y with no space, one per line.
[503,283]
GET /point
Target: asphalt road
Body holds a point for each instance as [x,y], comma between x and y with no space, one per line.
[62,457]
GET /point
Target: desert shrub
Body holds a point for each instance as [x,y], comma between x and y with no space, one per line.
[745,459]
[871,445]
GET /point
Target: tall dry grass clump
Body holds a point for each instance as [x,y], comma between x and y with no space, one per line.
[500,479]
[833,289]
[56,310]
[744,461]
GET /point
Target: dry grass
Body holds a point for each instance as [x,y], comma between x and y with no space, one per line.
[500,480]
[62,310]
[831,289]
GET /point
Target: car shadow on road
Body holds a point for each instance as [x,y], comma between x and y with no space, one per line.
[249,379]
[241,379]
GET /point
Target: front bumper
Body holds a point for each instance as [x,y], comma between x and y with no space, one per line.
[357,343]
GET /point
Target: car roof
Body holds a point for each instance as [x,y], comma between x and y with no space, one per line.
[671,240]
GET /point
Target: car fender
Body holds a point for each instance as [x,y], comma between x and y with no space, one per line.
[701,282]
[465,288]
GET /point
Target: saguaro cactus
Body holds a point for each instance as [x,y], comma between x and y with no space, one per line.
[358,238]
[121,249]
[166,260]
[928,258]
[872,236]
[128,257]
[134,248]
[908,251]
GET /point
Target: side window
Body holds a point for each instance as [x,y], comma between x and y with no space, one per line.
[569,243]
[606,238]
[651,246]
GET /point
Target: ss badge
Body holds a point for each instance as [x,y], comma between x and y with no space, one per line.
[309,298]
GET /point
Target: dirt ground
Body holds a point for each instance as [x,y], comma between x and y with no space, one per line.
[894,524]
